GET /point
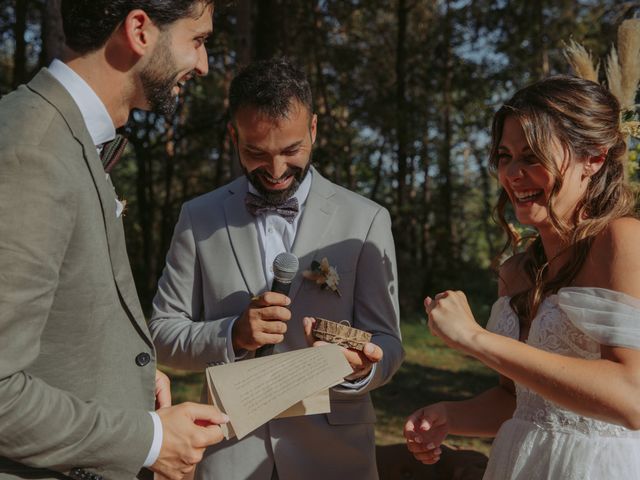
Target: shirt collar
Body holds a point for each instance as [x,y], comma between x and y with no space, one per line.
[95,115]
[301,194]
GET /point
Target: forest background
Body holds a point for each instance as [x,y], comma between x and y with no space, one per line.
[404,90]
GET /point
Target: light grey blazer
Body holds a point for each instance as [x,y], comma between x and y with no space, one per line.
[214,267]
[73,398]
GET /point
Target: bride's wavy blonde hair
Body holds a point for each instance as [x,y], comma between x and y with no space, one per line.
[585,118]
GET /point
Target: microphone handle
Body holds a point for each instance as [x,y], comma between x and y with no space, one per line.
[264,350]
[278,287]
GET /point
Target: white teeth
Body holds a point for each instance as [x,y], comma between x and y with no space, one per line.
[276,181]
[527,195]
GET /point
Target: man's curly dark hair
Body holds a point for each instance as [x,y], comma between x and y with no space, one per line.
[270,86]
[88,24]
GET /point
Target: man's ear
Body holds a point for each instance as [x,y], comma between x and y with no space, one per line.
[313,128]
[140,32]
[233,133]
[593,164]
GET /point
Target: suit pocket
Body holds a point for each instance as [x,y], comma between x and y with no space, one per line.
[348,412]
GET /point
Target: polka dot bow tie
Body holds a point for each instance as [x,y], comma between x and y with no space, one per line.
[257,205]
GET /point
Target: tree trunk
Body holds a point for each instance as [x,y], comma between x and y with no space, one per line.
[244,53]
[445,226]
[266,31]
[52,33]
[20,52]
[401,106]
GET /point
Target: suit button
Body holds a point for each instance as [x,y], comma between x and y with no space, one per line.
[143,359]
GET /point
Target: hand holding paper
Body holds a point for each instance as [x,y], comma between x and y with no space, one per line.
[252,392]
[185,437]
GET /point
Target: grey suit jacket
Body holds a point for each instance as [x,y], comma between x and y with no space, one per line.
[73,400]
[213,269]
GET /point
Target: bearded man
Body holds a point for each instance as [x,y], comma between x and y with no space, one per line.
[79,387]
[213,303]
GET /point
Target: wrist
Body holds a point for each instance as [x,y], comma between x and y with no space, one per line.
[471,341]
[235,338]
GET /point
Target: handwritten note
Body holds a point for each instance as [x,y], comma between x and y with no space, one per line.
[252,392]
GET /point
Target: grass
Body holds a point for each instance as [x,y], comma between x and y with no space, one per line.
[431,372]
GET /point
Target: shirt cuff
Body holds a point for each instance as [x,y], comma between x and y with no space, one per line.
[233,356]
[156,445]
[360,382]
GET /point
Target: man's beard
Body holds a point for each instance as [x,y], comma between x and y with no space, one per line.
[158,86]
[277,197]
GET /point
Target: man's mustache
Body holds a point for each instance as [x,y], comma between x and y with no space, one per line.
[290,171]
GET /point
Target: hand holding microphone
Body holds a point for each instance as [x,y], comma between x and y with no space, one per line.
[263,323]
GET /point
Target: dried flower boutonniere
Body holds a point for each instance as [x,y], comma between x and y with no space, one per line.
[324,275]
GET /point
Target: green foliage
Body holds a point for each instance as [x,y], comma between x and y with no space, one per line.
[404,91]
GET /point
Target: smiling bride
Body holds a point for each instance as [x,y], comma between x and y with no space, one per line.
[564,334]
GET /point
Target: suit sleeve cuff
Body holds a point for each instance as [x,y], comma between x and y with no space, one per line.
[360,382]
[233,356]
[156,445]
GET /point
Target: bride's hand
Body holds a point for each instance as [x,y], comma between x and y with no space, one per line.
[425,430]
[450,318]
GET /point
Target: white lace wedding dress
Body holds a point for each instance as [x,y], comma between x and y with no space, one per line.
[544,440]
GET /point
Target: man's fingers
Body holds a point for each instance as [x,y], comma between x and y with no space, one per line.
[354,357]
[210,435]
[271,338]
[163,390]
[308,323]
[373,352]
[268,299]
[274,313]
[271,327]
[209,413]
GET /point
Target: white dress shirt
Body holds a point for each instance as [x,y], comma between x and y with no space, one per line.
[275,234]
[101,128]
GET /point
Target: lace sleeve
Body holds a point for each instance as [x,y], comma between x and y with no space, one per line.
[502,319]
[609,317]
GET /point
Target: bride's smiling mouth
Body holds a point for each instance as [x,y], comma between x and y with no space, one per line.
[526,196]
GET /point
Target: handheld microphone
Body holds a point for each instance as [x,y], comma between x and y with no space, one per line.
[285,267]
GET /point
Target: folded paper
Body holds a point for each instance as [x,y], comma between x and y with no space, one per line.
[252,392]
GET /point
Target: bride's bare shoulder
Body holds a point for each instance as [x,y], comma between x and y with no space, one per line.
[614,258]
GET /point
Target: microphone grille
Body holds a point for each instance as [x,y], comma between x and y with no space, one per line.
[285,266]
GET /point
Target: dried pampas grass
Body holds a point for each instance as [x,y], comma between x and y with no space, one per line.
[623,65]
[629,53]
[614,75]
[581,61]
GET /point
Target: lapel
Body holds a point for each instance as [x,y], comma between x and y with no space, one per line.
[51,90]
[243,236]
[319,212]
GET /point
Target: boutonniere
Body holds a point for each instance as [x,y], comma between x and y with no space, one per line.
[324,275]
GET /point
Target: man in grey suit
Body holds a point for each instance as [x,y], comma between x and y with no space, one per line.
[77,363]
[213,303]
